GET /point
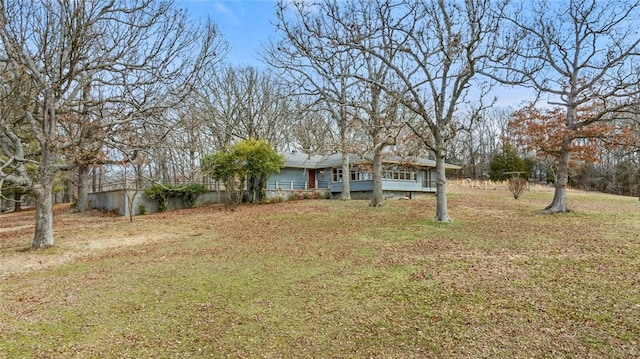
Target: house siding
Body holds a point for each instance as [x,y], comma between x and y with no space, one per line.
[355,186]
[289,179]
[403,178]
[394,186]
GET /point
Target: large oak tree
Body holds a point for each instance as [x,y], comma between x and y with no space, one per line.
[574,54]
[87,69]
[439,49]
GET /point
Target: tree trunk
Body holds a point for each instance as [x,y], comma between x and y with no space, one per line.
[255,186]
[43,188]
[262,190]
[442,212]
[232,195]
[346,177]
[250,194]
[100,177]
[17,202]
[43,193]
[559,203]
[376,200]
[131,198]
[83,188]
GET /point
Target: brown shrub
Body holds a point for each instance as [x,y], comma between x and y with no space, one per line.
[517,186]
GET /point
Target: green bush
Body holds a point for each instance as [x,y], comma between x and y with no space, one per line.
[162,192]
[505,162]
[159,193]
[295,196]
[190,193]
[247,162]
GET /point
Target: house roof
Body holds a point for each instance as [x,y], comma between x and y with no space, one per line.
[303,160]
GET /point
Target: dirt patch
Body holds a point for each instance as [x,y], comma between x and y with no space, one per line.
[94,233]
[76,236]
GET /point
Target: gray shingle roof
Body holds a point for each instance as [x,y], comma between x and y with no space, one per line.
[303,160]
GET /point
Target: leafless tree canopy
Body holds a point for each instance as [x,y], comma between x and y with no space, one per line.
[575,54]
[431,54]
[139,83]
[87,74]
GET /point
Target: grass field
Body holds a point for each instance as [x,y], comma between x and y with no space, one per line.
[330,279]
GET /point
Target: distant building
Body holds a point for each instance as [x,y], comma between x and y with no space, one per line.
[402,177]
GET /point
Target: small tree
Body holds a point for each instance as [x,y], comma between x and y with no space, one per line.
[249,161]
[508,161]
[517,186]
[582,56]
[546,133]
[224,166]
[258,161]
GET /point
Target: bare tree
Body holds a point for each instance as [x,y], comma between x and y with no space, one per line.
[128,108]
[440,47]
[377,114]
[15,134]
[576,54]
[244,103]
[345,78]
[184,146]
[130,55]
[317,67]
[480,140]
[312,130]
[382,120]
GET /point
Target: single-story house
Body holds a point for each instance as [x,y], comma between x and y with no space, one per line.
[402,177]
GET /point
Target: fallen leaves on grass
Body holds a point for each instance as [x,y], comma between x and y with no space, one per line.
[331,278]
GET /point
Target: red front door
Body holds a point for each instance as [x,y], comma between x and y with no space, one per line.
[312,179]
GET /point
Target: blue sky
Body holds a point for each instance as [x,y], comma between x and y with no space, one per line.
[245,24]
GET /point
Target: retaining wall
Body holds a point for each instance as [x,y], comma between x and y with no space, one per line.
[118,201]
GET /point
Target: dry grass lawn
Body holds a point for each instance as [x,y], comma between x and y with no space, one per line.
[329,279]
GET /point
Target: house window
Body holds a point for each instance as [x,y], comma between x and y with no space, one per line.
[357,173]
[336,175]
[428,180]
[399,173]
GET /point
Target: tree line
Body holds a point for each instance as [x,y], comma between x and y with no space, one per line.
[139,87]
